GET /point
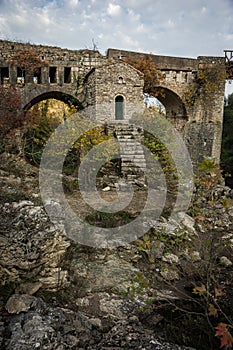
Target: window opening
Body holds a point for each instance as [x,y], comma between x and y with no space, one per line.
[37,76]
[4,73]
[20,76]
[52,75]
[67,75]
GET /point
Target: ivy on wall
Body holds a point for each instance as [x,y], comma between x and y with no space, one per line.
[152,74]
[208,81]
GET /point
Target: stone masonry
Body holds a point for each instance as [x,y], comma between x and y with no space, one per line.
[200,123]
[111,90]
[105,83]
[133,162]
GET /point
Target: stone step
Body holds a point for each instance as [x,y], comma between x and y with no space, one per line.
[127,136]
[132,151]
[127,158]
[130,145]
[135,163]
[134,170]
[132,154]
[125,132]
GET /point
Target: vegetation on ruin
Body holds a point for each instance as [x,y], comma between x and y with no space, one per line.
[208,80]
[27,61]
[10,103]
[50,114]
[201,315]
[204,307]
[151,73]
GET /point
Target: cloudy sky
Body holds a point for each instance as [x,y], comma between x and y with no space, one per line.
[186,28]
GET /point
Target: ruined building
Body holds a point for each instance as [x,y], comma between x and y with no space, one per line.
[110,90]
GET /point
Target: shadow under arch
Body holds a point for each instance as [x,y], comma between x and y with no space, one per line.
[175,107]
[57,95]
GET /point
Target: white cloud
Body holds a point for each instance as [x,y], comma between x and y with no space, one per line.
[113,10]
[129,41]
[167,27]
[170,23]
[203,10]
[44,17]
[73,3]
[133,15]
[140,28]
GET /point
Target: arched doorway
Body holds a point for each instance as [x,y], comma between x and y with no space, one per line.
[119,107]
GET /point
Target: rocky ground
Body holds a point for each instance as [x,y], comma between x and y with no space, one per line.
[172,286]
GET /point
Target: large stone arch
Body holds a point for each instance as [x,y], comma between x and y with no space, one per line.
[58,95]
[175,107]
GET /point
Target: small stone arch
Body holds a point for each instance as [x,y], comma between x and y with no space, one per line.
[119,107]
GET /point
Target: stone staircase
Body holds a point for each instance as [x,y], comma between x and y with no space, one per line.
[130,138]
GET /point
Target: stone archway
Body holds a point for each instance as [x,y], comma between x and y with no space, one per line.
[175,107]
[57,95]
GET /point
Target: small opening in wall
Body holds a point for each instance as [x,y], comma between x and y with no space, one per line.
[120,80]
[67,75]
[37,76]
[52,75]
[4,73]
[20,76]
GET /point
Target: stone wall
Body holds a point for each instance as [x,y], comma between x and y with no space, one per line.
[52,75]
[80,61]
[203,131]
[163,62]
[95,81]
[107,82]
[200,122]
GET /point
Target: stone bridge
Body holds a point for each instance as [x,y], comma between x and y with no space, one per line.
[109,89]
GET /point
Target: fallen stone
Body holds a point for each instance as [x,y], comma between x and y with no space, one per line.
[50,328]
[225,261]
[170,258]
[22,204]
[19,303]
[169,274]
[31,247]
[28,288]
[157,249]
[188,222]
[107,188]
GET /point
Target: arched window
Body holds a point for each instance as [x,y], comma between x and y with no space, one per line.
[119,107]
[120,80]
